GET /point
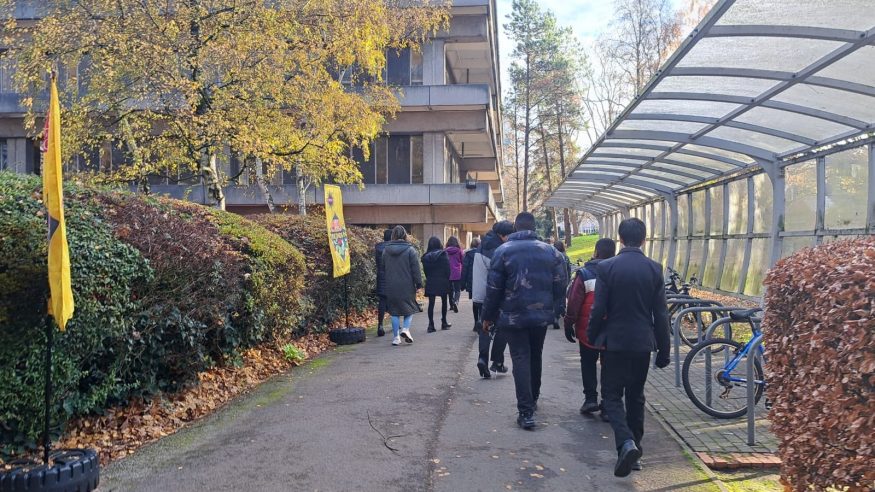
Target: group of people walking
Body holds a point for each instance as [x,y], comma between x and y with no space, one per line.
[614,309]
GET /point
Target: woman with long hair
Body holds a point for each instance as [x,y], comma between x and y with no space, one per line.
[437,280]
[402,279]
[456,257]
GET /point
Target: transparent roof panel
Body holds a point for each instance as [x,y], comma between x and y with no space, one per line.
[798,124]
[856,67]
[711,109]
[661,125]
[584,170]
[718,166]
[734,86]
[630,151]
[721,152]
[756,139]
[767,53]
[637,191]
[656,181]
[669,176]
[840,14]
[599,158]
[836,101]
[674,167]
[613,142]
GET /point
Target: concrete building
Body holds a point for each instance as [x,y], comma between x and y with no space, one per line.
[435,170]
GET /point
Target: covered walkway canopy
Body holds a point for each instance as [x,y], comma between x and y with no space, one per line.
[759,85]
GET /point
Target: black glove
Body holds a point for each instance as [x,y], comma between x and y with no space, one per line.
[569,333]
[662,359]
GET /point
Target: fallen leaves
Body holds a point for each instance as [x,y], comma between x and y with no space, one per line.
[122,430]
[819,337]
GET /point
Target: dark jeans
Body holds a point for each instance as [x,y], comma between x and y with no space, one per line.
[477,307]
[498,342]
[431,308]
[623,377]
[456,291]
[588,372]
[526,347]
[381,309]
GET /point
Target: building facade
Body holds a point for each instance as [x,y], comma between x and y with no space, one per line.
[436,167]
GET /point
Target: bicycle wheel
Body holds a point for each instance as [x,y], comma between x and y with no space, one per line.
[710,387]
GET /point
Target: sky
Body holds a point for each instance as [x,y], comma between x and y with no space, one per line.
[587,18]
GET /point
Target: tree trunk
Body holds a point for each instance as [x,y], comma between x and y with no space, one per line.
[567,221]
[302,191]
[210,172]
[265,192]
[516,157]
[575,224]
[549,180]
[526,133]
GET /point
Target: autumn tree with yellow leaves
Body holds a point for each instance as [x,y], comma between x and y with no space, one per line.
[178,84]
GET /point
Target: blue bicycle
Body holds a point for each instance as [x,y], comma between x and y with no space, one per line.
[715,371]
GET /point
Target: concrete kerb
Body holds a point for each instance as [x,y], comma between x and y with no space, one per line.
[687,449]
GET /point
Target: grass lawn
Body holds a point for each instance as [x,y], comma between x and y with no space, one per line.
[582,247]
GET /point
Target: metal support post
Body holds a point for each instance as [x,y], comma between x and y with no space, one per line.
[751,389]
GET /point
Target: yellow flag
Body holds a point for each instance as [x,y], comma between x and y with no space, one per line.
[60,292]
[337,240]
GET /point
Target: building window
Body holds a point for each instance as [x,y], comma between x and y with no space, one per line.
[451,170]
[395,159]
[403,67]
[4,154]
[7,70]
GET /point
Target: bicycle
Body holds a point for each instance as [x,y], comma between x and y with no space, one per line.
[676,288]
[732,400]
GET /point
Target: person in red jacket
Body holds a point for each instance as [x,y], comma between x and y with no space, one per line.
[580,299]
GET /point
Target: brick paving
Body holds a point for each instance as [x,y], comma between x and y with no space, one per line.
[710,437]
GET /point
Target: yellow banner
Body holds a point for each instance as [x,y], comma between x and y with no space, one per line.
[337,240]
[60,291]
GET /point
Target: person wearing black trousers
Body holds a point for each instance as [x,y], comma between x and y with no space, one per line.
[436,265]
[630,320]
[525,292]
[467,278]
[381,280]
[479,272]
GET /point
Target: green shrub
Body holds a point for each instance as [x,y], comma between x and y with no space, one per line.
[326,293]
[91,354]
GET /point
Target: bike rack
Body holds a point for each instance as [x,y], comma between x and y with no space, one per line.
[708,334]
[715,307]
[751,393]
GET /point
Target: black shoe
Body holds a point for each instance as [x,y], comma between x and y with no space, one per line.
[476,328]
[525,421]
[589,407]
[555,326]
[484,373]
[455,308]
[637,466]
[431,328]
[627,455]
[605,417]
[380,332]
[445,325]
[498,368]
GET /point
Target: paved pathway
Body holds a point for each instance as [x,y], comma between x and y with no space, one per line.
[320,428]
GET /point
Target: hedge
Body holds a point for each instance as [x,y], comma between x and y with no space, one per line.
[324,292]
[163,290]
[819,334]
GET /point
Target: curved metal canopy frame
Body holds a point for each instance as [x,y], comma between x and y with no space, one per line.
[734,125]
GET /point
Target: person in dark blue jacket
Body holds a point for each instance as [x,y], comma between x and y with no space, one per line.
[525,292]
[381,281]
[629,319]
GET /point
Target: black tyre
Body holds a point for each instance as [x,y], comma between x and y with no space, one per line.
[346,336]
[72,470]
[706,386]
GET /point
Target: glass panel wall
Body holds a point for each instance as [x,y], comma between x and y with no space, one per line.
[800,196]
[712,267]
[699,218]
[847,176]
[732,266]
[762,194]
[716,210]
[738,207]
[395,159]
[697,255]
[683,226]
[759,265]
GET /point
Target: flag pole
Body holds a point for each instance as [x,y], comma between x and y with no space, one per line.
[47,442]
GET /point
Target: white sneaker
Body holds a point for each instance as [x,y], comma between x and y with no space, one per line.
[396,341]
[405,334]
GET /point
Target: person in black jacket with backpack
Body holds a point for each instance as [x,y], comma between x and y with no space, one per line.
[630,320]
[381,280]
[436,265]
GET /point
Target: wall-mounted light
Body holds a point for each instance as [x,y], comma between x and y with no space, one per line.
[471,182]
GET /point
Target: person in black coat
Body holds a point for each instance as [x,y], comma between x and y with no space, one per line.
[630,320]
[381,280]
[525,292]
[403,279]
[468,275]
[436,265]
